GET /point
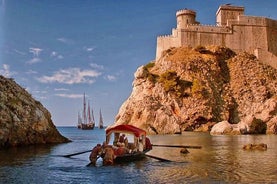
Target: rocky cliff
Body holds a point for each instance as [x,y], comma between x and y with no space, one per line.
[192,89]
[23,120]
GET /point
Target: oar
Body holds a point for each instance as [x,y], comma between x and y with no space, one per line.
[158,158]
[178,146]
[79,153]
[91,164]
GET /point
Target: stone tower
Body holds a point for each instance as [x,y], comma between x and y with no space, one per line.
[185,17]
[227,12]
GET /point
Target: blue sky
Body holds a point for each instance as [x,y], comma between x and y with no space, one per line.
[60,49]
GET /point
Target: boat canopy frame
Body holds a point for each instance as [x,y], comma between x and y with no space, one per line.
[128,129]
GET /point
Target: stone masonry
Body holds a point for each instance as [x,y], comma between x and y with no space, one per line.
[233,29]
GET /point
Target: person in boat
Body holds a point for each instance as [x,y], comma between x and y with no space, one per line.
[148,143]
[95,152]
[121,138]
[126,143]
[108,153]
[140,145]
[121,149]
[108,156]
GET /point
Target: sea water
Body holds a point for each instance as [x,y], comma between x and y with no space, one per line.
[220,160]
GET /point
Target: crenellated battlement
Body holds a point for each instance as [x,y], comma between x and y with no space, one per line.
[164,36]
[233,29]
[208,28]
[185,12]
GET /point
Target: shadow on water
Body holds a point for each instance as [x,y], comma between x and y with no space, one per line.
[20,155]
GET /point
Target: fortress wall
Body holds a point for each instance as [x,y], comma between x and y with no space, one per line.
[247,38]
[252,20]
[248,34]
[256,35]
[241,37]
[166,42]
[196,35]
[248,20]
[266,57]
[272,40]
[194,39]
[208,28]
[272,36]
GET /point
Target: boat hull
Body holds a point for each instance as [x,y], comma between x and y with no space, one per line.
[87,126]
[130,157]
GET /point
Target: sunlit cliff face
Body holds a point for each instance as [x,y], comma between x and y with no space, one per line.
[24,120]
[194,88]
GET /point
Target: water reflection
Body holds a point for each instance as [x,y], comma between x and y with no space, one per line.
[21,155]
[221,160]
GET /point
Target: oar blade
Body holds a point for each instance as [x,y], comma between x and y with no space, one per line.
[79,153]
[158,158]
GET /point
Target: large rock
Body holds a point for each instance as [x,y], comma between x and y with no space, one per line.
[186,89]
[223,127]
[23,120]
[272,126]
[249,126]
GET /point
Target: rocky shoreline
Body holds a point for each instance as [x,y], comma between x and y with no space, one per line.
[24,120]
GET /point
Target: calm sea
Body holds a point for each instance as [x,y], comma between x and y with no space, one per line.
[221,160]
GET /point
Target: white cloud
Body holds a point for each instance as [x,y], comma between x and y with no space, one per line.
[71,76]
[39,92]
[35,51]
[19,52]
[110,77]
[6,71]
[53,54]
[65,40]
[89,49]
[69,95]
[56,55]
[96,66]
[34,60]
[31,72]
[61,89]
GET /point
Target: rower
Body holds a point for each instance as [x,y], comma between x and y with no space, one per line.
[94,154]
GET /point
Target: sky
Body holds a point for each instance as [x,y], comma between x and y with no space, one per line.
[60,49]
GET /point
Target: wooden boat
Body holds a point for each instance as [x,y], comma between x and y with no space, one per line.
[121,150]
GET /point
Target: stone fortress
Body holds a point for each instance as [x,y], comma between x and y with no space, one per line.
[233,29]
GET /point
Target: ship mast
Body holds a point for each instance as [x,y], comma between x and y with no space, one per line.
[84,110]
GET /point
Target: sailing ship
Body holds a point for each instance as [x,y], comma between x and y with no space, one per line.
[101,123]
[87,121]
